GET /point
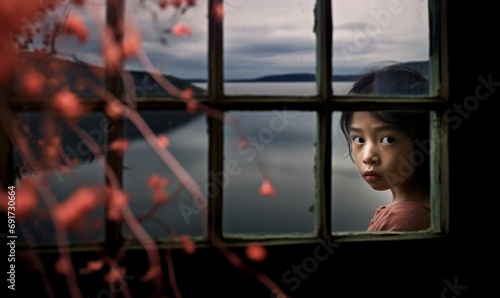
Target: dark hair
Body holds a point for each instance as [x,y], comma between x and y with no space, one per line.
[391,80]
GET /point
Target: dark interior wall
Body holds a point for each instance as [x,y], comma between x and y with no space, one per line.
[474,57]
[461,265]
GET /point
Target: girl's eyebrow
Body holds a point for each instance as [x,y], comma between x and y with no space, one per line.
[377,128]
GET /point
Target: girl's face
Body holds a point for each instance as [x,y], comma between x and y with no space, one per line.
[381,151]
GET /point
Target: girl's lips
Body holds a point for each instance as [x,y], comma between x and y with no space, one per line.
[371,176]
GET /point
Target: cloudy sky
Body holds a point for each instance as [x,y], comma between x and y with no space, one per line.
[263,37]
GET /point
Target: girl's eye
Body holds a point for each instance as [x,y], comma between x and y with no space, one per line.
[388,140]
[358,140]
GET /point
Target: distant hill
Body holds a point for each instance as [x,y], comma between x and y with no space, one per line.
[72,71]
[94,124]
[421,66]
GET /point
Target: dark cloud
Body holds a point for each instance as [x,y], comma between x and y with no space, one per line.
[274,40]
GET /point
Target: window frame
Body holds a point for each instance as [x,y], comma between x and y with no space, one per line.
[323,104]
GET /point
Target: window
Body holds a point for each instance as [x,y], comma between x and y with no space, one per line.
[270,92]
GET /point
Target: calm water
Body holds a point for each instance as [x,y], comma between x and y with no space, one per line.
[285,151]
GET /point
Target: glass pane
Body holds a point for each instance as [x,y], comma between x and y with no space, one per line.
[48,62]
[175,42]
[65,172]
[280,144]
[269,48]
[157,196]
[392,161]
[370,34]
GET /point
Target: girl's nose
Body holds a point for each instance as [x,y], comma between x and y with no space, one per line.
[371,155]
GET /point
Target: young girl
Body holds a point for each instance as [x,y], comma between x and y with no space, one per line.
[383,146]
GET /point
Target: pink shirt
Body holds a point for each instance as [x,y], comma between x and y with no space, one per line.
[403,217]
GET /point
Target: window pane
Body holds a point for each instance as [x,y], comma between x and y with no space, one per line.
[72,177]
[396,161]
[175,41]
[282,143]
[63,60]
[269,42]
[188,144]
[369,33]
